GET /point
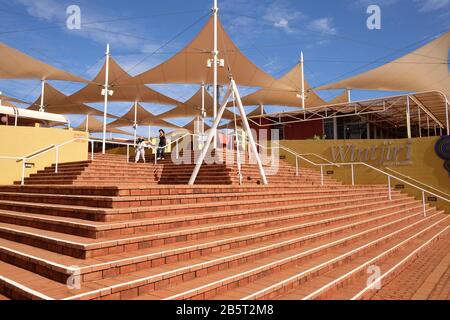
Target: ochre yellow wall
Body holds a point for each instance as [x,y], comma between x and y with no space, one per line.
[423,164]
[23,141]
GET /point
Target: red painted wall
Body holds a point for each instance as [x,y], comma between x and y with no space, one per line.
[295,131]
[303,130]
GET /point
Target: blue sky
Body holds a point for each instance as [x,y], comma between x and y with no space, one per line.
[333,34]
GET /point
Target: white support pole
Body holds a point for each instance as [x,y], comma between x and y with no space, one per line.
[435,130]
[203,109]
[210,138]
[42,106]
[447,116]
[424,203]
[149,133]
[420,121]
[231,88]
[249,132]
[302,70]
[368,131]
[353,174]
[349,95]
[390,189]
[135,123]
[23,171]
[321,176]
[106,93]
[215,67]
[408,118]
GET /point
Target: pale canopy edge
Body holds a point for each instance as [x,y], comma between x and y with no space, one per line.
[193,107]
[288,98]
[57,102]
[425,69]
[95,126]
[189,66]
[143,118]
[140,93]
[17,65]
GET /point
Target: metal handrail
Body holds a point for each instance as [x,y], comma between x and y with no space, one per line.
[417,181]
[39,152]
[50,148]
[302,156]
[390,176]
[353,164]
[320,157]
[11,158]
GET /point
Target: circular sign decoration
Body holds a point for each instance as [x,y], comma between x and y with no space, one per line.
[443,148]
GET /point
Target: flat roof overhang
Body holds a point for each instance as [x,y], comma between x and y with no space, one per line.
[426,108]
[45,118]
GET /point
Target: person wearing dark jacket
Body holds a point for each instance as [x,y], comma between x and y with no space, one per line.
[162,145]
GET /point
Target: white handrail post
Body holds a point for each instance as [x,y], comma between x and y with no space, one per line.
[57,159]
[321,174]
[389,185]
[156,154]
[23,172]
[177,150]
[424,202]
[296,165]
[353,174]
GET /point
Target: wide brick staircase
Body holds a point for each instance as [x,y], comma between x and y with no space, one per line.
[111,169]
[117,230]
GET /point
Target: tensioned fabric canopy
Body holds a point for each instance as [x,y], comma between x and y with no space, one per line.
[143,118]
[193,107]
[190,64]
[342,98]
[95,126]
[289,98]
[140,93]
[191,126]
[57,102]
[259,111]
[4,99]
[17,65]
[425,69]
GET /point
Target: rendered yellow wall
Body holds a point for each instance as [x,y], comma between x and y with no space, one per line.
[23,141]
[423,164]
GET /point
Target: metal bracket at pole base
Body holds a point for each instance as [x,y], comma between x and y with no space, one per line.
[232,88]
